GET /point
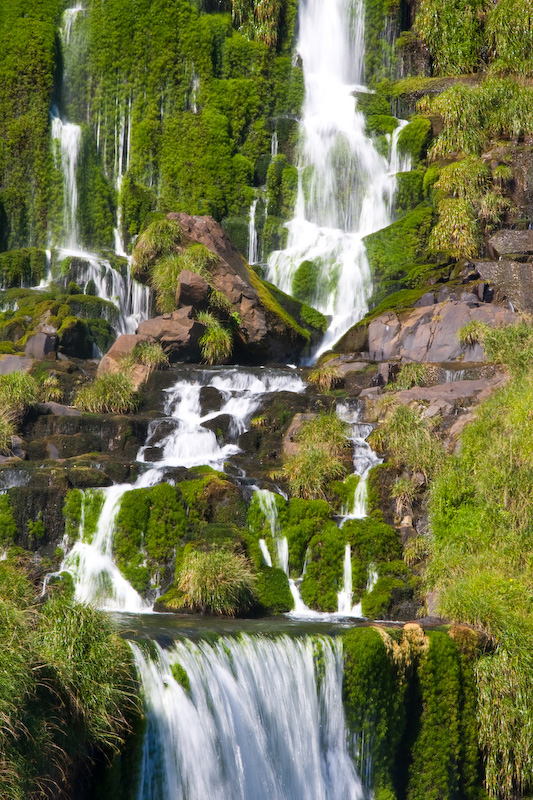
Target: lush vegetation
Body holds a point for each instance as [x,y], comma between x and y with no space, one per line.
[67,690]
[217,581]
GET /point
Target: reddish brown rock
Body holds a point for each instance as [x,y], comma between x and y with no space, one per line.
[192,290]
[178,334]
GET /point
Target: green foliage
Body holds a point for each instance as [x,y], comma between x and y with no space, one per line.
[150,354]
[305,281]
[8,528]
[66,694]
[161,238]
[217,581]
[472,333]
[381,16]
[312,318]
[150,527]
[272,590]
[473,115]
[179,674]
[111,393]
[7,430]
[410,374]
[453,34]
[457,230]
[325,377]
[324,574]
[409,190]
[18,391]
[393,250]
[415,138]
[322,442]
[216,343]
[510,33]
[409,440]
[22,267]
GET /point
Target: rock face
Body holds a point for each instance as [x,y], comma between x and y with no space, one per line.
[507,242]
[512,281]
[178,334]
[429,333]
[192,290]
[443,398]
[265,331]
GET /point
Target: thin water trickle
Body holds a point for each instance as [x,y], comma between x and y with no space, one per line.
[253,256]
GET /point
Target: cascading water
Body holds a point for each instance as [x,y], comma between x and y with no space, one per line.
[131,299]
[97,579]
[346,186]
[260,722]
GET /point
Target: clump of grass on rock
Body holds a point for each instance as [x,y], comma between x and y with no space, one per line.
[111,393]
[217,582]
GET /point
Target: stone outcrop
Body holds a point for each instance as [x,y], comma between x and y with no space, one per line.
[193,290]
[429,333]
[178,333]
[511,280]
[444,398]
[507,242]
[265,331]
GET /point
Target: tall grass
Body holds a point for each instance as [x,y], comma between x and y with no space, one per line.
[111,393]
[319,460]
[166,272]
[160,239]
[18,391]
[217,582]
[216,344]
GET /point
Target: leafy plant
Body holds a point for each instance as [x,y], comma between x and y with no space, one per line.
[218,582]
[151,354]
[51,390]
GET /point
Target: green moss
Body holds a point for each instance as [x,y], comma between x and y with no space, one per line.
[380,124]
[22,267]
[179,674]
[415,138]
[8,528]
[380,17]
[305,281]
[271,304]
[409,191]
[273,592]
[453,33]
[393,585]
[313,318]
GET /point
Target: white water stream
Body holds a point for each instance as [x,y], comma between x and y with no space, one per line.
[346,186]
[258,723]
[130,298]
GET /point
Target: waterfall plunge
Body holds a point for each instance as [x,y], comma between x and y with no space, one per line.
[345,186]
[258,723]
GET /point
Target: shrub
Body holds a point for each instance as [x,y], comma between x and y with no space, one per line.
[453,34]
[7,430]
[409,440]
[324,377]
[474,332]
[216,343]
[111,393]
[217,582]
[322,442]
[51,390]
[410,374]
[159,239]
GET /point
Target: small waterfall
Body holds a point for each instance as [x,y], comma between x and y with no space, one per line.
[252,236]
[344,597]
[97,579]
[257,724]
[345,185]
[69,137]
[267,504]
[274,145]
[190,444]
[131,299]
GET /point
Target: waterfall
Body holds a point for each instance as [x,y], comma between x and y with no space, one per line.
[252,236]
[131,299]
[190,443]
[260,721]
[274,145]
[346,186]
[97,579]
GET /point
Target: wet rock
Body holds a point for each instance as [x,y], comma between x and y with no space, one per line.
[210,399]
[512,282]
[58,409]
[221,426]
[290,446]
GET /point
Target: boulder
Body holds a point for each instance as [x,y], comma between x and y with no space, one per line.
[41,344]
[429,334]
[290,446]
[178,333]
[512,282]
[14,363]
[506,242]
[266,330]
[58,409]
[443,398]
[192,290]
